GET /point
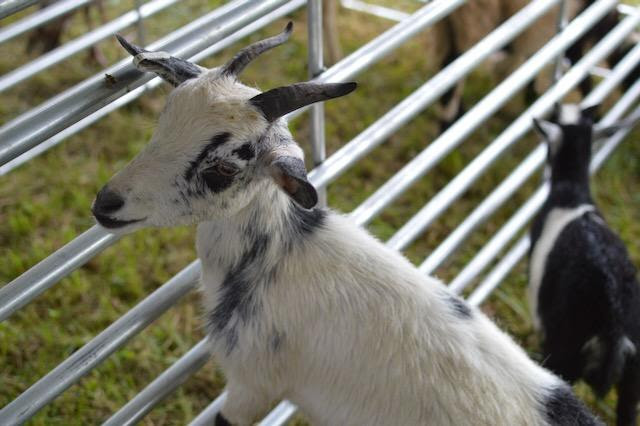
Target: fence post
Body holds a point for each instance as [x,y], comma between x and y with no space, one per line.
[316,67]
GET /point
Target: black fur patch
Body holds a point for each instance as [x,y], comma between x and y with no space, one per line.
[221,420]
[562,408]
[237,292]
[460,308]
[245,152]
[216,141]
[302,223]
[276,341]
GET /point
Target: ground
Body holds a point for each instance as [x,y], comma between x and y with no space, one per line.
[45,203]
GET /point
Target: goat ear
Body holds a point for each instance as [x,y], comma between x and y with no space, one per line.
[275,103]
[547,130]
[287,169]
[173,70]
[591,112]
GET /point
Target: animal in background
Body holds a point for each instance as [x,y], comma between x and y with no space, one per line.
[583,291]
[300,302]
[49,36]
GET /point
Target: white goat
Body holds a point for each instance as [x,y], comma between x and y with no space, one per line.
[300,302]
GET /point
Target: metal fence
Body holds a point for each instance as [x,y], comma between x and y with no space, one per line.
[74,109]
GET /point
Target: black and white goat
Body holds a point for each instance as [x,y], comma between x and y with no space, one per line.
[300,302]
[583,291]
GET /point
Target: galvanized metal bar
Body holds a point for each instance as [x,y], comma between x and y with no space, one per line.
[208,415]
[375,10]
[385,43]
[9,7]
[493,247]
[316,66]
[521,247]
[140,23]
[561,23]
[163,385]
[462,128]
[458,185]
[489,205]
[517,178]
[428,93]
[626,9]
[279,415]
[74,46]
[62,111]
[41,17]
[16,134]
[100,347]
[500,271]
[43,275]
[288,8]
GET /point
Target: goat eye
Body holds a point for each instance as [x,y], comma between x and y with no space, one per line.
[224,169]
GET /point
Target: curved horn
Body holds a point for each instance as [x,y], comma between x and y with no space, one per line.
[235,66]
[275,103]
[173,70]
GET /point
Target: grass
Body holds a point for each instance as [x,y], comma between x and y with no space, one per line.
[45,203]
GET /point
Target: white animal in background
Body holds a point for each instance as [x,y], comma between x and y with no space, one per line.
[300,302]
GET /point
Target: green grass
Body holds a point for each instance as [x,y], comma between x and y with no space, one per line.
[45,203]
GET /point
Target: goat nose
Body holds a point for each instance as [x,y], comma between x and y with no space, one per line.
[107,202]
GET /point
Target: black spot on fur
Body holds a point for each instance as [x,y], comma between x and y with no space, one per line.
[276,341]
[562,408]
[216,141]
[460,308]
[302,222]
[245,152]
[237,292]
[221,420]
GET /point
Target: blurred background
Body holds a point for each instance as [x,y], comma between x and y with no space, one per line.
[45,203]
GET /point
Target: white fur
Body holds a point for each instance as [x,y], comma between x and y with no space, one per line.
[366,339]
[555,222]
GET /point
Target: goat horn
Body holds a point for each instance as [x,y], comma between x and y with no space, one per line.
[280,101]
[235,66]
[172,69]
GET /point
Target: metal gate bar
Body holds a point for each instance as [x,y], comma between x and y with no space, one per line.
[523,172]
[41,17]
[74,46]
[463,180]
[73,255]
[76,253]
[427,94]
[9,7]
[91,242]
[462,128]
[42,122]
[100,347]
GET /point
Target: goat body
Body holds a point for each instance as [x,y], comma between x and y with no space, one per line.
[300,302]
[583,290]
[307,306]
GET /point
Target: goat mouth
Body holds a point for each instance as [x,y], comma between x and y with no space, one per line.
[111,223]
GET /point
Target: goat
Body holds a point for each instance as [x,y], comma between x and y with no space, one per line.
[583,291]
[300,302]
